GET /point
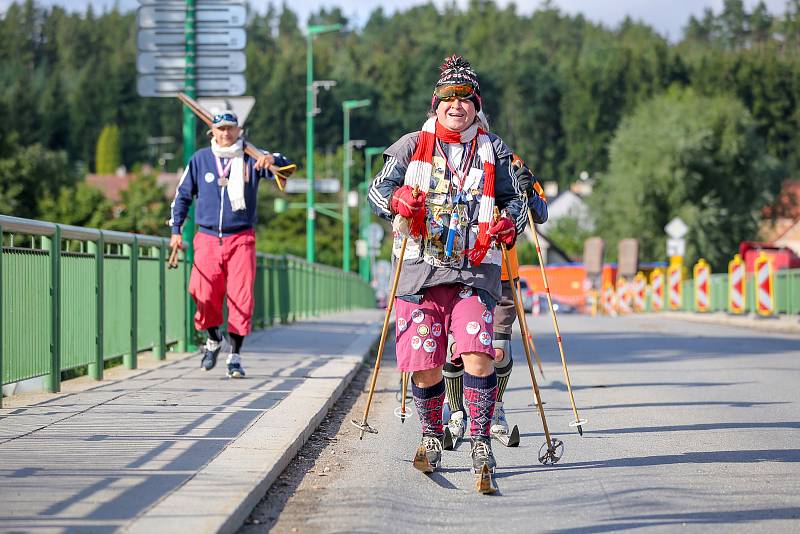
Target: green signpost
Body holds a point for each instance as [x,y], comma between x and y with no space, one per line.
[347,105]
[310,112]
[364,210]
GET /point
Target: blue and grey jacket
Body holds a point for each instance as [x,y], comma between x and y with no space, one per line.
[425,264]
[213,212]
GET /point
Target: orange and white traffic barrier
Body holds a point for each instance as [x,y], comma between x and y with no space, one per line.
[639,289]
[765,284]
[608,299]
[657,290]
[736,285]
[536,307]
[623,296]
[675,285]
[702,286]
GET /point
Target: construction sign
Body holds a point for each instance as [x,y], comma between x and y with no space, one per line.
[702,286]
[736,285]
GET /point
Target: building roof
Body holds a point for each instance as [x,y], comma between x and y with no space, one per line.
[112,185]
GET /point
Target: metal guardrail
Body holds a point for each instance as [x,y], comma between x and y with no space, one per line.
[82,296]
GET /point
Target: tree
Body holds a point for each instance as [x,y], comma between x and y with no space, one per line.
[691,156]
[108,156]
[82,205]
[27,174]
[144,208]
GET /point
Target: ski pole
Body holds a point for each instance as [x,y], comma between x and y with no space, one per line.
[578,422]
[555,448]
[526,332]
[364,425]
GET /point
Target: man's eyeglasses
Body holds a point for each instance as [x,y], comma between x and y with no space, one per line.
[224,117]
[447,93]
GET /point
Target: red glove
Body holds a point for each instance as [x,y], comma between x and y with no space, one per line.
[504,231]
[405,204]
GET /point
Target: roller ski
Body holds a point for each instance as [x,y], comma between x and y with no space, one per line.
[499,428]
[483,465]
[454,430]
[429,454]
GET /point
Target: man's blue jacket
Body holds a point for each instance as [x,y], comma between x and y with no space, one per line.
[213,213]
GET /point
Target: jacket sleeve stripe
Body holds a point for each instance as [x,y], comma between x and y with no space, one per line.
[177,194]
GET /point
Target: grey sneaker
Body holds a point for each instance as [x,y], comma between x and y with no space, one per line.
[210,353]
[499,423]
[235,369]
[457,425]
[482,454]
[429,453]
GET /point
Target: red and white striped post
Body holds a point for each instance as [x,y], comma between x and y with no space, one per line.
[623,296]
[736,285]
[639,289]
[702,286]
[608,299]
[764,279]
[657,290]
[675,289]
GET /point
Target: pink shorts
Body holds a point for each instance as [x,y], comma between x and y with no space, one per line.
[422,328]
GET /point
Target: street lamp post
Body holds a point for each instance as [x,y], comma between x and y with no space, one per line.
[347,105]
[364,211]
[310,112]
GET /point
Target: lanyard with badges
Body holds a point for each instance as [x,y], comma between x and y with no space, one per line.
[223,173]
[459,177]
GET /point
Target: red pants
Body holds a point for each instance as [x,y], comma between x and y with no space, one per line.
[220,269]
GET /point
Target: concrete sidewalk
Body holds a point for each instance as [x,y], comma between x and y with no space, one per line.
[176,449]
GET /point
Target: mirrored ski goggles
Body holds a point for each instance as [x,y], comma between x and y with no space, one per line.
[224,118]
[451,92]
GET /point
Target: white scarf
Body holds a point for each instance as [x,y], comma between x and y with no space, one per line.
[235,153]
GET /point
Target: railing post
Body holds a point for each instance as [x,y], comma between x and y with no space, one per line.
[53,245]
[96,368]
[160,348]
[133,254]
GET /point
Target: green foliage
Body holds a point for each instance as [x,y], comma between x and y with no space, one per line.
[569,235]
[143,208]
[27,174]
[82,205]
[108,155]
[691,156]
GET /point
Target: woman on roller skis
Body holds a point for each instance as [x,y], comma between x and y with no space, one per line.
[440,186]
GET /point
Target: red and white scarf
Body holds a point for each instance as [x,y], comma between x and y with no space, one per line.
[420,170]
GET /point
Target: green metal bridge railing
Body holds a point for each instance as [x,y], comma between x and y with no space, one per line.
[75,297]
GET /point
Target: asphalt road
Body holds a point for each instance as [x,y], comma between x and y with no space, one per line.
[690,426]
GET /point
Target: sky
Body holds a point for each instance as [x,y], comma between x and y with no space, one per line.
[668,18]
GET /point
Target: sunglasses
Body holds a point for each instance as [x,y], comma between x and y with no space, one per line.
[224,117]
[447,93]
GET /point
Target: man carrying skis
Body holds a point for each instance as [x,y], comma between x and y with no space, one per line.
[441,185]
[225,181]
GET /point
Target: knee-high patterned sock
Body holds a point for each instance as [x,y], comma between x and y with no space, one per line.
[480,393]
[428,402]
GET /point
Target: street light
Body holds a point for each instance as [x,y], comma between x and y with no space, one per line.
[364,215]
[311,91]
[347,105]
